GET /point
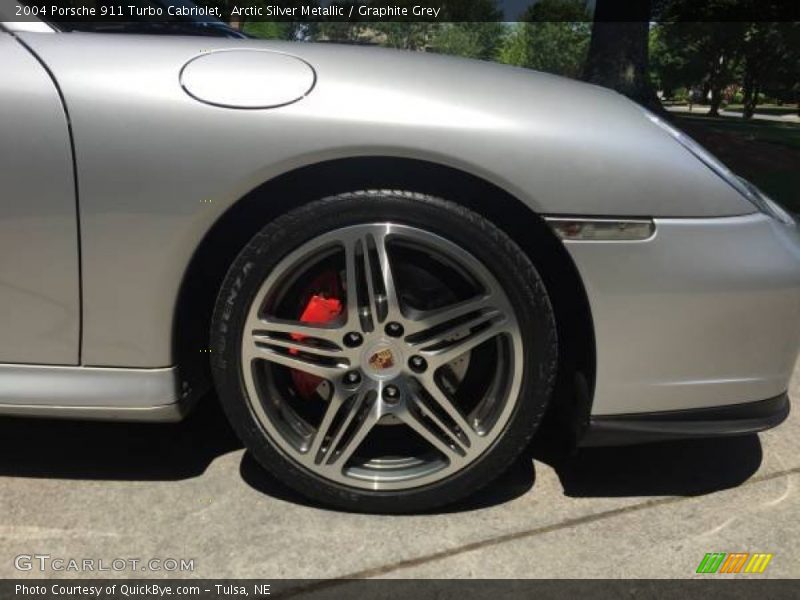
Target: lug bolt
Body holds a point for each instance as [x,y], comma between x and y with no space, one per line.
[353,339]
[352,378]
[391,395]
[394,329]
[417,364]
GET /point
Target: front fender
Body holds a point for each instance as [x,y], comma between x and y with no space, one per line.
[156,167]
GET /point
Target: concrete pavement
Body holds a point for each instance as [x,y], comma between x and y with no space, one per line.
[106,491]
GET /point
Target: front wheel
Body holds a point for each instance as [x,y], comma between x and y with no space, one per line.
[383,351]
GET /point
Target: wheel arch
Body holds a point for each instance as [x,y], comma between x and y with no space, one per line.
[228,235]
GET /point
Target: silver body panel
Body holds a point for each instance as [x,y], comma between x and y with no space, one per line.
[158,413]
[39,277]
[90,393]
[703,313]
[142,195]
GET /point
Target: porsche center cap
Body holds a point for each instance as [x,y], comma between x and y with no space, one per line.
[382,360]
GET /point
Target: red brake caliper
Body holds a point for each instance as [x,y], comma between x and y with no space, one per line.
[323,306]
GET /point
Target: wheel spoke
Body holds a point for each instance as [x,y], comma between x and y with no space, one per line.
[381,277]
[445,334]
[361,417]
[353,266]
[300,345]
[430,322]
[441,409]
[288,353]
[420,423]
[329,372]
[324,331]
[330,429]
[371,292]
[443,355]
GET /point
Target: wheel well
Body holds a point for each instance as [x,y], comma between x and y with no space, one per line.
[244,219]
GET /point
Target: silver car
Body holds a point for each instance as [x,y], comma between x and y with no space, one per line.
[390,265]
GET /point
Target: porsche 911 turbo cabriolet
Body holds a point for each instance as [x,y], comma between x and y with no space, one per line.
[390,265]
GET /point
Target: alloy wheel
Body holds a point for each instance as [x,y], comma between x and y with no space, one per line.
[410,380]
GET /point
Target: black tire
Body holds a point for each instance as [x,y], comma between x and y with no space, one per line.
[508,263]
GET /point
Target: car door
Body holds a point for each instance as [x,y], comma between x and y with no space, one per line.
[39,258]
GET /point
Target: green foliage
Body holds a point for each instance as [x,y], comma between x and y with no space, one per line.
[270,30]
[675,56]
[554,47]
[404,35]
[772,57]
[342,32]
[735,60]
[681,94]
[470,40]
[515,48]
[554,38]
[692,51]
[747,58]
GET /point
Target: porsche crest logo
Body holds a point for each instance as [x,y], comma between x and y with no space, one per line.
[383,359]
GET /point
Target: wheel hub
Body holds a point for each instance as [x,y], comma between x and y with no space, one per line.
[382,360]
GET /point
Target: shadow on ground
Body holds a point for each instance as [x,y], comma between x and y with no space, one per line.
[153,452]
[115,451]
[676,468]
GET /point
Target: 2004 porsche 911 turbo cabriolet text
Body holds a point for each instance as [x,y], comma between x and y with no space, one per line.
[390,265]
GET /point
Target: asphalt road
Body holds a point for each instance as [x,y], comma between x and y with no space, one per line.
[106,491]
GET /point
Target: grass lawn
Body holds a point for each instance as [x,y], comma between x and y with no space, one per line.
[765,152]
[785,134]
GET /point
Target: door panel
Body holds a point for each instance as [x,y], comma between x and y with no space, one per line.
[39,286]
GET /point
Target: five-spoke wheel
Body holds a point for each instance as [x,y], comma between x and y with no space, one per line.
[379,354]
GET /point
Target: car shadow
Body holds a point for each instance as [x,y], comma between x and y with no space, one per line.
[671,468]
[92,450]
[675,468]
[115,451]
[153,452]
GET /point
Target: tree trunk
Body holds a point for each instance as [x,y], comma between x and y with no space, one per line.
[715,83]
[705,92]
[716,100]
[618,51]
[751,104]
[747,94]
